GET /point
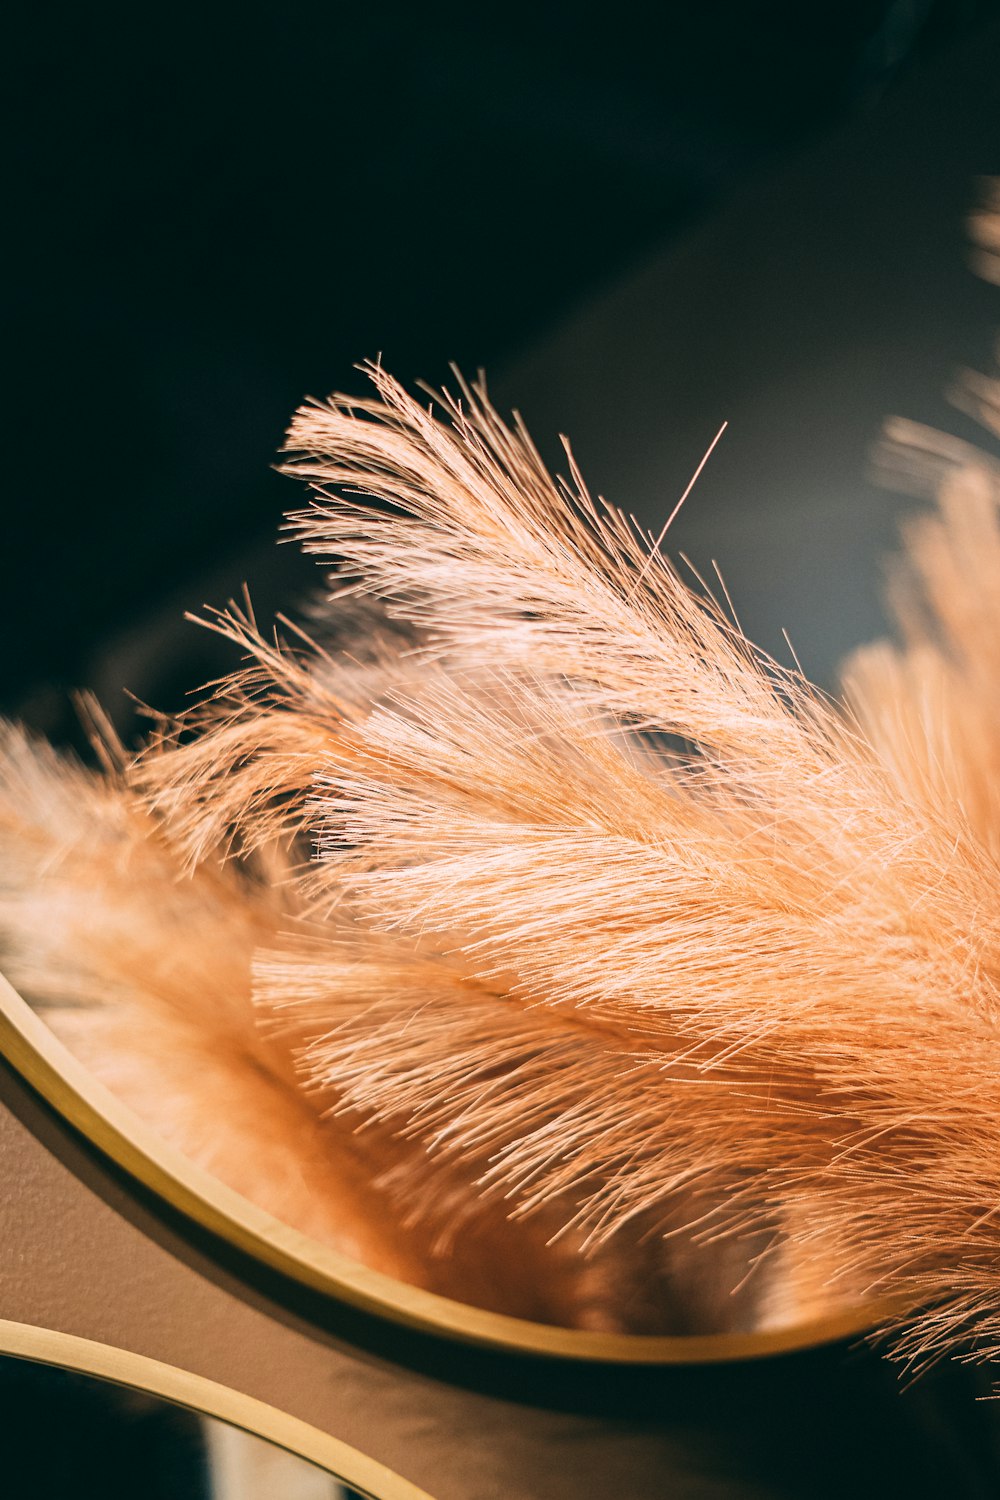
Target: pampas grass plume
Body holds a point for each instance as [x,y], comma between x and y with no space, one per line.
[520,901]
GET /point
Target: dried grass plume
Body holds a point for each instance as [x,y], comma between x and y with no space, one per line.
[521,902]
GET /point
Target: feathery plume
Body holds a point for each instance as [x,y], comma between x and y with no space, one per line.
[548,909]
[712,947]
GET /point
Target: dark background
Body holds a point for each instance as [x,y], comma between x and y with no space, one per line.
[215,215]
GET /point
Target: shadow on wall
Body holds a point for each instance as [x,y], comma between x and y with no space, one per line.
[821,301]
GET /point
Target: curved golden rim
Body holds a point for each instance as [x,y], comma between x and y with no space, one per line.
[45,1346]
[37,1054]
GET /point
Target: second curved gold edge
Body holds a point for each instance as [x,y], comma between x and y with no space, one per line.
[138,1372]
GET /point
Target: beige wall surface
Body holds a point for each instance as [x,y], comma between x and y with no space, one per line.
[84,1250]
[84,1253]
